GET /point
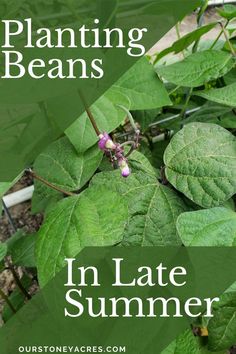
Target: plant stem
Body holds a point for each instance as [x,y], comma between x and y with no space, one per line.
[5,298]
[228,40]
[177,30]
[50,185]
[188,97]
[131,119]
[90,115]
[194,50]
[8,214]
[216,40]
[129,142]
[200,20]
[173,91]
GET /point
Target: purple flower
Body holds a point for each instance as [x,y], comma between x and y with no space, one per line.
[124,167]
[105,142]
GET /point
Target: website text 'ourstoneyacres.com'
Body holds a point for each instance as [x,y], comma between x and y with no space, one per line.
[71,349]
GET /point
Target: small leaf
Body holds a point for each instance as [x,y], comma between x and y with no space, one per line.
[185,41]
[22,251]
[228,11]
[222,326]
[201,163]
[197,68]
[3,250]
[5,186]
[225,95]
[153,208]
[63,167]
[107,114]
[143,87]
[21,248]
[210,227]
[77,222]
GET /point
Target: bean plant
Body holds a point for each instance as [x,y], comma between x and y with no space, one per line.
[151,163]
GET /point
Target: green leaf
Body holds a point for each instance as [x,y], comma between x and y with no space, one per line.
[228,11]
[17,235]
[158,152]
[143,87]
[228,120]
[3,250]
[187,343]
[208,113]
[21,248]
[5,186]
[222,327]
[63,167]
[201,163]
[225,95]
[198,68]
[153,208]
[107,114]
[214,113]
[145,117]
[22,251]
[229,204]
[139,162]
[210,227]
[96,217]
[185,41]
[230,77]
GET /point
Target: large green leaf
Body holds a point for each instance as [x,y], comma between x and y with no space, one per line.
[143,87]
[201,163]
[185,41]
[62,166]
[107,114]
[97,217]
[225,95]
[222,326]
[209,227]
[198,68]
[153,208]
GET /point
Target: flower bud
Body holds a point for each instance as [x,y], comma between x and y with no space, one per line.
[124,167]
[105,142]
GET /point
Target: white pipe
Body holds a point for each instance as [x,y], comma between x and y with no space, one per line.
[18,197]
[220,2]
